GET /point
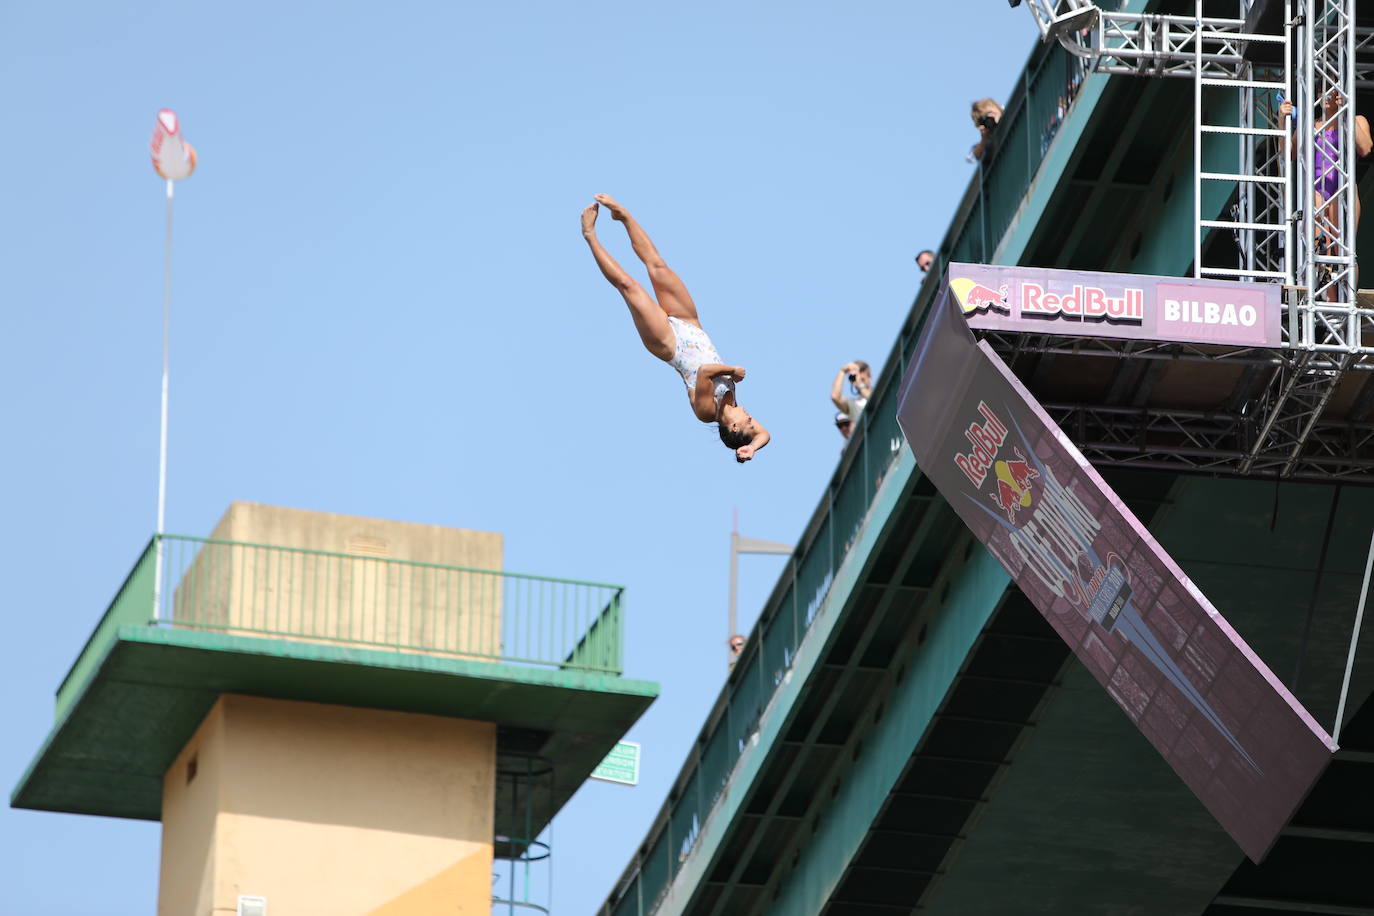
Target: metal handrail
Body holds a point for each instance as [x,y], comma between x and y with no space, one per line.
[240,588]
[363,556]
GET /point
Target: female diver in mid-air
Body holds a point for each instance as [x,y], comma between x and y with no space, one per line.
[670,330]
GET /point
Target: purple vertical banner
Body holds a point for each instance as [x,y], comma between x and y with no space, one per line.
[1203,698]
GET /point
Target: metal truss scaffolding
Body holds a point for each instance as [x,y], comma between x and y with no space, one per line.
[1291,194]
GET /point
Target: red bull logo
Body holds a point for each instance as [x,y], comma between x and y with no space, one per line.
[1014,485]
[975,297]
[1013,477]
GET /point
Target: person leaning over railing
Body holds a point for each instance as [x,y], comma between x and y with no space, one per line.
[861,382]
[985,113]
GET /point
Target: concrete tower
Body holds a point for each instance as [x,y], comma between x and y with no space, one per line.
[315,707]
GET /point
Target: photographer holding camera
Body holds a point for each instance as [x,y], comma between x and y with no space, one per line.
[985,113]
[861,384]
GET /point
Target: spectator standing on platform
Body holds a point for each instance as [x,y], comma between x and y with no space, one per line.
[924,260]
[985,113]
[861,384]
[1326,157]
[736,648]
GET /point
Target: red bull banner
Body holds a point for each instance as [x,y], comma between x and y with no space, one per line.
[1071,302]
[1199,694]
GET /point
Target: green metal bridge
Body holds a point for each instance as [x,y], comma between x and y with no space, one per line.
[905,732]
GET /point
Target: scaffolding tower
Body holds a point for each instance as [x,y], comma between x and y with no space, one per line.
[1285,232]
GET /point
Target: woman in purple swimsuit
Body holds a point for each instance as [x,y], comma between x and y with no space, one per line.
[1327,153]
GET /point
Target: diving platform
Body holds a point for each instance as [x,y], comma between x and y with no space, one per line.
[305,695]
[1201,408]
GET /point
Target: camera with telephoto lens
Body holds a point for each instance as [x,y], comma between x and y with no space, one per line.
[853,376]
[987,122]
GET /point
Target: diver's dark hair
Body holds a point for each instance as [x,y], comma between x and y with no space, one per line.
[733,439]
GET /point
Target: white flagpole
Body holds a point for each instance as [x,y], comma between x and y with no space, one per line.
[162,439]
[166,333]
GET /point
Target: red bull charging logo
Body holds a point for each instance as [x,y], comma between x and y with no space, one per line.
[1014,485]
[1013,490]
[974,297]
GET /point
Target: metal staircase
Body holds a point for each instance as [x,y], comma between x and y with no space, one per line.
[1224,81]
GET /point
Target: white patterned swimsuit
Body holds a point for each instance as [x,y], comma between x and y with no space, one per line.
[692,350]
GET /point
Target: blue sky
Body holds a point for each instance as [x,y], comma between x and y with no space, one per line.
[383,307]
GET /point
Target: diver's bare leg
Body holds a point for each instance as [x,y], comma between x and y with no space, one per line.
[650,321]
[668,286]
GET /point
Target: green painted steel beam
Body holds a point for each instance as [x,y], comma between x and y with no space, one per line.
[152,686]
[851,686]
[1052,172]
[1089,818]
[716,830]
[975,590]
[1053,168]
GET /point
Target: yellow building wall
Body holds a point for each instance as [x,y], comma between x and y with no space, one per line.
[340,582]
[330,810]
[190,809]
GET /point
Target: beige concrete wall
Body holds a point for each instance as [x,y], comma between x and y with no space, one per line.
[329,809]
[190,809]
[361,598]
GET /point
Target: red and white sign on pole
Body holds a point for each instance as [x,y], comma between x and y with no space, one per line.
[1228,727]
[173,158]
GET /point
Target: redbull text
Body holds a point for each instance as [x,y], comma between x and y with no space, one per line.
[986,438]
[1083,303]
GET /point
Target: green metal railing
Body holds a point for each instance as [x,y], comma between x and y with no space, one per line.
[370,602]
[1030,122]
[768,655]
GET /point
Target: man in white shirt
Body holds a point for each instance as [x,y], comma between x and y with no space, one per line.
[861,383]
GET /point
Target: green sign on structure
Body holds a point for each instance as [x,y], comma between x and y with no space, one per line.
[621,765]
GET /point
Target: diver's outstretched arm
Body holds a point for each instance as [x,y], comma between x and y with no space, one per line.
[746,452]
